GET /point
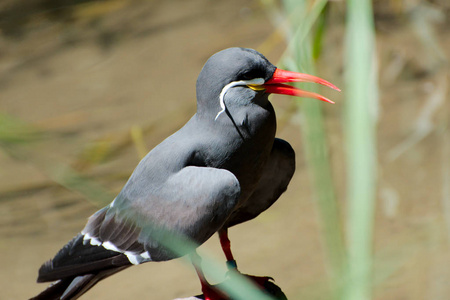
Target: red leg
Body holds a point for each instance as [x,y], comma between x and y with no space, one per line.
[231,262]
[209,292]
[226,247]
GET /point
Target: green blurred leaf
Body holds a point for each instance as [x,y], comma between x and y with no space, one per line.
[361,93]
[15,131]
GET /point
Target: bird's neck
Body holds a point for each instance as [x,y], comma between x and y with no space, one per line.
[243,120]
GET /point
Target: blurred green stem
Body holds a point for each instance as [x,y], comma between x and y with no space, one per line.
[360,145]
[313,132]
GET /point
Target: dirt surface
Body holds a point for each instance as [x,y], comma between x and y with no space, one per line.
[89,74]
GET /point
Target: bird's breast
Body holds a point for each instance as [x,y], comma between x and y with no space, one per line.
[245,145]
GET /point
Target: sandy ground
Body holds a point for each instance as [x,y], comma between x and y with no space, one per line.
[89,81]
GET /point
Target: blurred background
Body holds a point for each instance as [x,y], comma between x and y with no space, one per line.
[88,87]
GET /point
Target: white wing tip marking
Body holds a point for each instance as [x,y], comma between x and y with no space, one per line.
[134,258]
[92,240]
[137,259]
[110,246]
[95,241]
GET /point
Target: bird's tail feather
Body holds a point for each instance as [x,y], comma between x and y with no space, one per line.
[73,287]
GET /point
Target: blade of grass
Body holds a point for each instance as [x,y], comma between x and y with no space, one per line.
[14,131]
[360,145]
[318,36]
[315,144]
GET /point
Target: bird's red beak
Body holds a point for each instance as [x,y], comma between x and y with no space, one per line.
[275,84]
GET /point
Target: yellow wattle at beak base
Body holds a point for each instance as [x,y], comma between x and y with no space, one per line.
[256,87]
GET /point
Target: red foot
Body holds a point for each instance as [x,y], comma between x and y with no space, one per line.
[211,293]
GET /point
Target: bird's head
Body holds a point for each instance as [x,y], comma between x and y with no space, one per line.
[242,76]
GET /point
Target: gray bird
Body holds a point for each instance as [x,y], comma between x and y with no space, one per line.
[222,168]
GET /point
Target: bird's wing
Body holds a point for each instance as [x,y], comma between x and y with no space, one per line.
[192,203]
[277,174]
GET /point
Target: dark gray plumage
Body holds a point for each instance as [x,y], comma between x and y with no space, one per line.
[217,171]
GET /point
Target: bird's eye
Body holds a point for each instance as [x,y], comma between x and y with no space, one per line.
[246,76]
[249,75]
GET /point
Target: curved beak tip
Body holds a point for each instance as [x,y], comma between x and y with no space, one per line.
[276,84]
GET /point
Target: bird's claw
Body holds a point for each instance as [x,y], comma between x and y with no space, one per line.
[212,293]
